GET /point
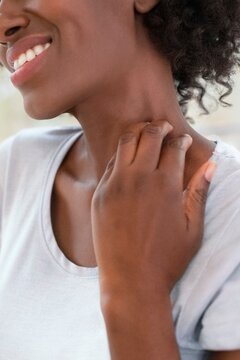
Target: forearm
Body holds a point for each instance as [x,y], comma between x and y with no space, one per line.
[141,330]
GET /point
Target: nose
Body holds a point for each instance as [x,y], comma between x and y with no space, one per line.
[12,21]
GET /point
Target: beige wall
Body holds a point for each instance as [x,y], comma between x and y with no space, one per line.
[224,123]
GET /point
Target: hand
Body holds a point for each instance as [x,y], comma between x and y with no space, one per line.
[146,228]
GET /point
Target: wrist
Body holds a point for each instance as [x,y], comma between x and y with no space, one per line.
[130,293]
[140,325]
[122,300]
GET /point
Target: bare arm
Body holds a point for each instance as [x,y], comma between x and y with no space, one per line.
[226,355]
[140,329]
[145,330]
[146,229]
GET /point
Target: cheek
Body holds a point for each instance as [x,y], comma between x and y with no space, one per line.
[97,36]
[90,50]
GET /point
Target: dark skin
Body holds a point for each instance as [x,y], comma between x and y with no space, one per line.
[120,81]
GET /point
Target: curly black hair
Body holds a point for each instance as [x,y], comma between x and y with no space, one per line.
[201,39]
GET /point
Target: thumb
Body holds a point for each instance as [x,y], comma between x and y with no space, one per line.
[195,196]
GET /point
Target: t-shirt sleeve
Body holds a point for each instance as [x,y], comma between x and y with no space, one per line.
[221,321]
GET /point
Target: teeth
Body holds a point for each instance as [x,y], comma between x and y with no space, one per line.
[15,65]
[30,55]
[46,46]
[22,59]
[38,49]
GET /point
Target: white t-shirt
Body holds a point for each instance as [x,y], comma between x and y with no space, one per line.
[50,307]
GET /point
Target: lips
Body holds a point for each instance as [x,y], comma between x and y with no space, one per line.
[21,46]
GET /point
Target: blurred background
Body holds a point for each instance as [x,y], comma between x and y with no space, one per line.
[223,122]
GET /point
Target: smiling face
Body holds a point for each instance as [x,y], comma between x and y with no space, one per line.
[92,46]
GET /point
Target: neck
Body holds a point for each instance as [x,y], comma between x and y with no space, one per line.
[146,93]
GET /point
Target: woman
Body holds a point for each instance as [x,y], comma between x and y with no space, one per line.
[102,255]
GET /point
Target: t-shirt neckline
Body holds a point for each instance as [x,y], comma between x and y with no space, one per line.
[48,234]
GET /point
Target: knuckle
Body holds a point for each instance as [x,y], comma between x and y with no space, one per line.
[153,129]
[199,196]
[164,177]
[165,126]
[120,189]
[162,123]
[166,188]
[139,183]
[159,127]
[177,143]
[127,137]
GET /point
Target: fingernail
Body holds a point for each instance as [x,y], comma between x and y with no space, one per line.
[210,171]
[187,136]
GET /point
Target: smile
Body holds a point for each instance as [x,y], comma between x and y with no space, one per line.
[30,55]
[28,64]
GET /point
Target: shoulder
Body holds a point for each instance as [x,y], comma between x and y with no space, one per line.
[37,136]
[218,258]
[220,250]
[32,146]
[35,142]
[224,191]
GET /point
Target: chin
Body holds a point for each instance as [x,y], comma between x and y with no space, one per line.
[41,110]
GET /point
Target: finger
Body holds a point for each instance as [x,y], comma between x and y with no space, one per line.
[150,145]
[172,161]
[127,144]
[195,196]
